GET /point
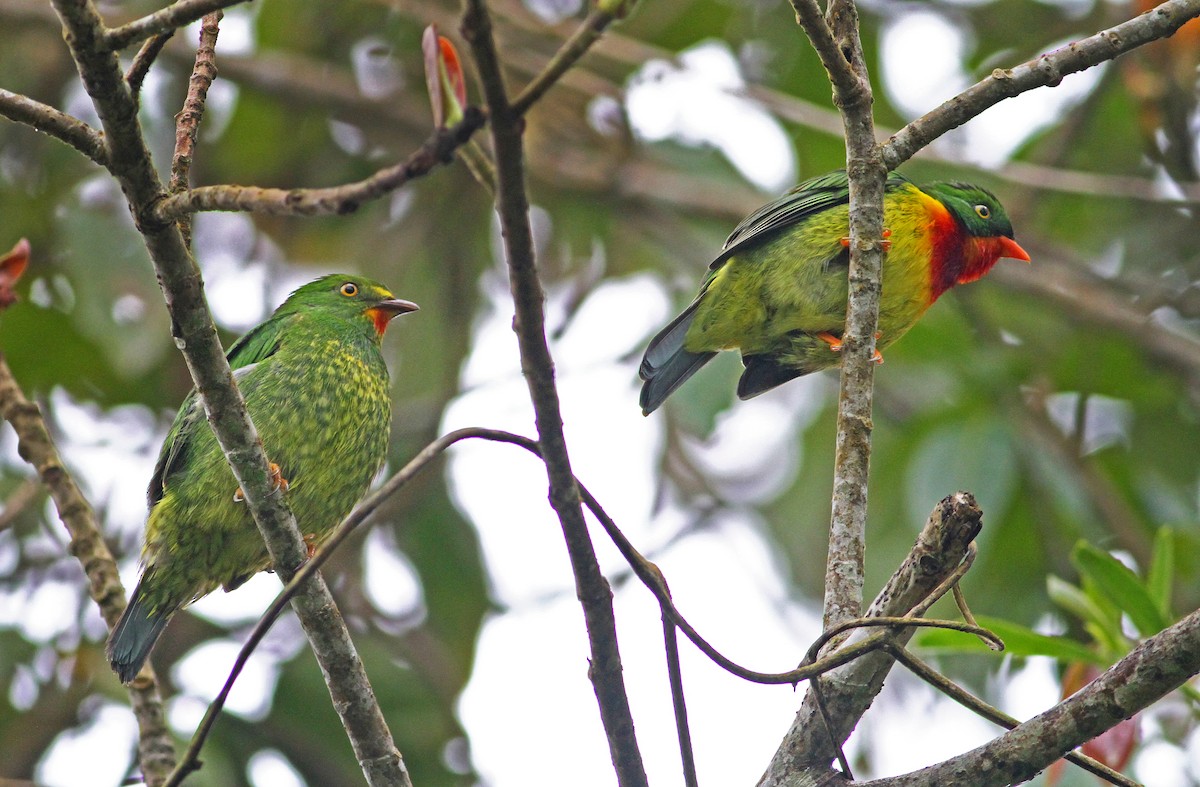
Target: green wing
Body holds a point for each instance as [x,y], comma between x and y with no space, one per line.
[258,344]
[807,199]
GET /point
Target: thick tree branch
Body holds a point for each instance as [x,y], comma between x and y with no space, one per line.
[1153,669]
[942,545]
[192,325]
[155,748]
[538,367]
[1047,70]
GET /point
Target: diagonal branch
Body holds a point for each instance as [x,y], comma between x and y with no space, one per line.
[155,748]
[166,20]
[50,121]
[1153,669]
[1046,70]
[593,590]
[337,200]
[940,548]
[195,334]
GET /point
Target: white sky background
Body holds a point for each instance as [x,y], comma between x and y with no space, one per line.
[529,707]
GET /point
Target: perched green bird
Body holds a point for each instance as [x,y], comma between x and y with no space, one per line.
[316,387]
[778,291]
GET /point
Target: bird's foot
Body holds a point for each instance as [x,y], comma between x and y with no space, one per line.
[277,482]
[310,544]
[835,344]
[885,245]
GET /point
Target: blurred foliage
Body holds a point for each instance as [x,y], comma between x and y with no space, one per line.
[1065,427]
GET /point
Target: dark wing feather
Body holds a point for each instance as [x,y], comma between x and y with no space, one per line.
[807,199]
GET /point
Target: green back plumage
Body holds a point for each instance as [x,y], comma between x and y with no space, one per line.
[777,292]
[316,386]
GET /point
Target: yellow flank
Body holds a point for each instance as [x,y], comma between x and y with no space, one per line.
[761,297]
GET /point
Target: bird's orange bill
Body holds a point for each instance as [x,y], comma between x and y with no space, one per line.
[383,312]
[1011,249]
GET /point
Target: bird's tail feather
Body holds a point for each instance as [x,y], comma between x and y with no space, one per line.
[666,364]
[135,634]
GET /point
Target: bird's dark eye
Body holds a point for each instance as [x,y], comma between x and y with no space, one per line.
[349,289]
[983,211]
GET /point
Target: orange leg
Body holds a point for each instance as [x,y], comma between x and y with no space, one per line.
[310,542]
[835,344]
[277,482]
[885,244]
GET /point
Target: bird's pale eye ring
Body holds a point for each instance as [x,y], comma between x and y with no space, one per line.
[983,211]
[349,289]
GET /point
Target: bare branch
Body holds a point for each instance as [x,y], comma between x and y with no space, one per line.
[575,47]
[166,20]
[142,62]
[1047,70]
[187,123]
[60,125]
[438,149]
[195,334]
[995,715]
[592,589]
[1153,669]
[939,550]
[155,748]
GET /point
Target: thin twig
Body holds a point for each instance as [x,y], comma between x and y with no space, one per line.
[575,47]
[187,122]
[336,200]
[142,61]
[529,323]
[167,20]
[679,702]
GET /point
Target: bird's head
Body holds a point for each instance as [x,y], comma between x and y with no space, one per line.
[987,229]
[353,298]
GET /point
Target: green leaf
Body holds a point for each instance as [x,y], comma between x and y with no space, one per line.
[1162,570]
[1018,641]
[1121,586]
[1078,603]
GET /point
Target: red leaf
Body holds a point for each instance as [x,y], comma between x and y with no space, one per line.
[1114,746]
[12,265]
[443,78]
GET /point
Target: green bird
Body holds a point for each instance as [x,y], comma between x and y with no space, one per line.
[777,293]
[316,387]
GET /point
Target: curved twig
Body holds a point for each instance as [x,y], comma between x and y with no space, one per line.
[48,120]
[167,20]
[339,200]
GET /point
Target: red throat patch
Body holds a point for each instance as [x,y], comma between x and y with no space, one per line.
[381,317]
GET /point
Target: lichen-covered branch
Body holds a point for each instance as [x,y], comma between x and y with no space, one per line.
[155,748]
[195,334]
[166,20]
[1046,70]
[1153,669]
[52,122]
[941,546]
